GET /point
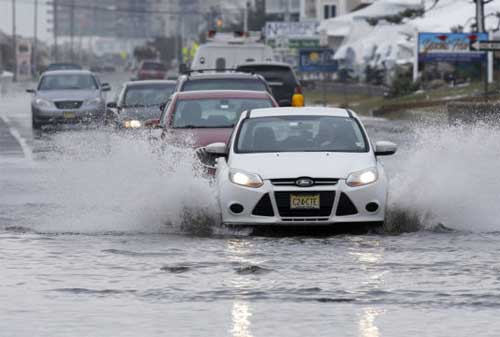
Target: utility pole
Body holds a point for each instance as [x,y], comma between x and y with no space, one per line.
[55,27]
[245,18]
[14,39]
[72,30]
[35,41]
[480,16]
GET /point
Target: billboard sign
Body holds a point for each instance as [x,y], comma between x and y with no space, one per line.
[292,29]
[317,60]
[449,47]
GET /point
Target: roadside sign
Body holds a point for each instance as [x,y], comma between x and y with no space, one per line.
[318,60]
[450,47]
[489,45]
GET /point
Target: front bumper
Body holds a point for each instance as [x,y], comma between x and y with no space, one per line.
[88,115]
[336,206]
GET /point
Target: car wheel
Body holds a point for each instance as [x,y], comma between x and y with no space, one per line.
[35,125]
[376,227]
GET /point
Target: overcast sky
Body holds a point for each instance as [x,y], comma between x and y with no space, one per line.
[24,17]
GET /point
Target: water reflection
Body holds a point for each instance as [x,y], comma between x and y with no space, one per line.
[367,327]
[241,313]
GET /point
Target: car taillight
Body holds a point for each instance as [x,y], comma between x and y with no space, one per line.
[298,90]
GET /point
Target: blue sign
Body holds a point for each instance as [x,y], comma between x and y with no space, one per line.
[317,60]
[449,47]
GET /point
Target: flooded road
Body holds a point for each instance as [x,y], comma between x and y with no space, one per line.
[101,236]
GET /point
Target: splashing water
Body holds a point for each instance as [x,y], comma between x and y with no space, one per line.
[97,182]
[450,176]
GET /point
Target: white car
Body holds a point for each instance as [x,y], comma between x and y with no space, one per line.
[301,166]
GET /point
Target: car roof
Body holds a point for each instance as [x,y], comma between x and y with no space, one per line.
[265,64]
[68,72]
[149,82]
[203,94]
[217,75]
[307,111]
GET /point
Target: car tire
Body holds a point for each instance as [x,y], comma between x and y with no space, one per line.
[34,124]
[376,227]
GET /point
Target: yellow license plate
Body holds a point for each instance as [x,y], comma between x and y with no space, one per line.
[69,114]
[304,201]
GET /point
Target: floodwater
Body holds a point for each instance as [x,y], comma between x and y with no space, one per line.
[102,236]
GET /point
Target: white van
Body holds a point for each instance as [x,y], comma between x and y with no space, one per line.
[228,51]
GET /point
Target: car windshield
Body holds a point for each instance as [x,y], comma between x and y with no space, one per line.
[63,66]
[214,113]
[68,82]
[300,134]
[271,74]
[224,84]
[148,95]
[153,66]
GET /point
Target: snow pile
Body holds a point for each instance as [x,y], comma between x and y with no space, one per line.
[385,44]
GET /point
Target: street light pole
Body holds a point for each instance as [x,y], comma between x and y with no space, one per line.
[55,27]
[480,16]
[35,41]
[14,39]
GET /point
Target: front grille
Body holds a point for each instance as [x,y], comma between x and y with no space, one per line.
[346,207]
[316,182]
[264,207]
[68,104]
[305,219]
[325,210]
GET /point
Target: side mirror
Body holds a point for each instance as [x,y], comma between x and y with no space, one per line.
[31,91]
[153,123]
[218,149]
[183,68]
[105,87]
[162,106]
[385,148]
[298,100]
[112,105]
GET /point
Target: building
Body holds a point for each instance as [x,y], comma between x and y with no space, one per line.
[103,18]
[326,9]
[283,10]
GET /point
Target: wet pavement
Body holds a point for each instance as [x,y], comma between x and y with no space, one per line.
[101,236]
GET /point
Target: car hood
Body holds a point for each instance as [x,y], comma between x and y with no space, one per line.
[304,164]
[63,95]
[201,137]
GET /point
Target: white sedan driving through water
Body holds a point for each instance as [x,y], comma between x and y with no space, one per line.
[301,166]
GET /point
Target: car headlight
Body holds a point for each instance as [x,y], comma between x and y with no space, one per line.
[93,101]
[245,179]
[132,124]
[43,103]
[362,178]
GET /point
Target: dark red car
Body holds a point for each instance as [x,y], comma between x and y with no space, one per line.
[204,117]
[151,70]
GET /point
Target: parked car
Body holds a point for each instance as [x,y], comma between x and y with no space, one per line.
[204,117]
[226,80]
[139,101]
[63,66]
[68,96]
[282,79]
[307,166]
[151,70]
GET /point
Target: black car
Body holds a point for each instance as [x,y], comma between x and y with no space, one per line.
[280,76]
[139,101]
[226,80]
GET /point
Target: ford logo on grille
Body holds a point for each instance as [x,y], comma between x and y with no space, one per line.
[304,182]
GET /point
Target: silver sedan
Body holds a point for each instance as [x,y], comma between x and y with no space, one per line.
[69,97]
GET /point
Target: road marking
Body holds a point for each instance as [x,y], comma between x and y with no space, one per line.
[28,154]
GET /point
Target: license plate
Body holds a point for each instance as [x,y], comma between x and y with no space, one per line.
[69,114]
[304,201]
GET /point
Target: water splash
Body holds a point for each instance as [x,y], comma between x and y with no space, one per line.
[450,176]
[102,182]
